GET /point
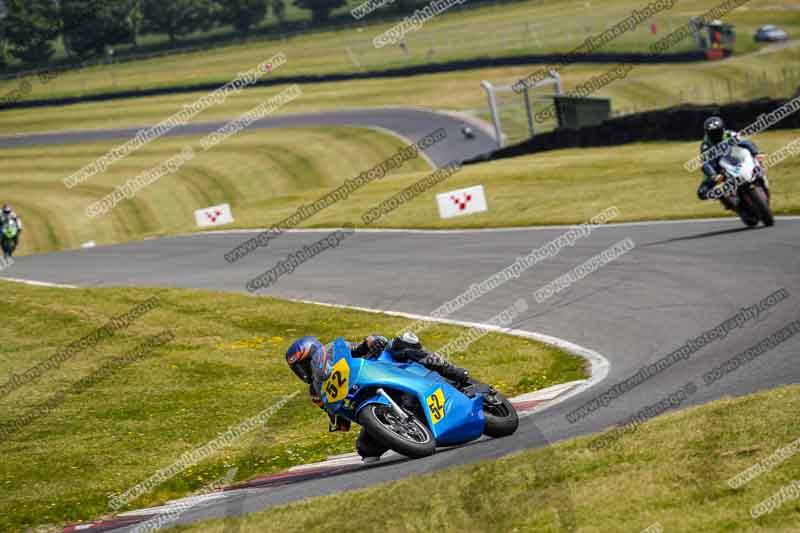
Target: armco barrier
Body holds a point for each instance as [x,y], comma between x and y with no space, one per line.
[684,123]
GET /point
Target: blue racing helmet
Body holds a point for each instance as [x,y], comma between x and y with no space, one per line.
[300,354]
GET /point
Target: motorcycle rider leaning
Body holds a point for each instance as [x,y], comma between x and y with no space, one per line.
[8,216]
[309,360]
[715,135]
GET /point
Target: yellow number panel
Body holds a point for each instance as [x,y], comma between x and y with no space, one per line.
[436,405]
[338,383]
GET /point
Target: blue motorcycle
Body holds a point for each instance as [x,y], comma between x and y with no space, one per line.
[408,408]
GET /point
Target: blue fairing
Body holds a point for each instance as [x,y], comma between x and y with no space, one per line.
[452,416]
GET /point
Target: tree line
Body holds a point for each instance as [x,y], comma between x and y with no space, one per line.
[29,28]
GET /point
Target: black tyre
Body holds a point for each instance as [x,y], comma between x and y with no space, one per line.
[366,446]
[749,220]
[761,206]
[501,417]
[758,206]
[9,246]
[409,437]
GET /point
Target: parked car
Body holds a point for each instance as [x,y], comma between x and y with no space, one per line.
[770,34]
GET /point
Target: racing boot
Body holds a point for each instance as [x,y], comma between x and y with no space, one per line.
[368,448]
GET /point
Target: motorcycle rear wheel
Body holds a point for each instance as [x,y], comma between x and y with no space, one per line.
[501,417]
[409,437]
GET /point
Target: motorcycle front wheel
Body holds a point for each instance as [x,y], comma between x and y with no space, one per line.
[8,246]
[762,203]
[758,205]
[749,220]
[408,436]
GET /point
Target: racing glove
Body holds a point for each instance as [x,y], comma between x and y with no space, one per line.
[371,346]
[315,399]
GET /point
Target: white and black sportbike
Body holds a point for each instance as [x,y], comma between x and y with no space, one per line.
[744,187]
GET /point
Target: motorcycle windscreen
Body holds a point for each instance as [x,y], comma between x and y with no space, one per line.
[339,376]
[738,163]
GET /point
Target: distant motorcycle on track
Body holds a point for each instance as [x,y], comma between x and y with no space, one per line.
[744,187]
[410,409]
[8,239]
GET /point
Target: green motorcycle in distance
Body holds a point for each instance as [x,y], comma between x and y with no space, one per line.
[9,239]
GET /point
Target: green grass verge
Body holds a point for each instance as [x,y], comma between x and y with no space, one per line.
[275,172]
[253,171]
[224,366]
[672,471]
[740,78]
[537,26]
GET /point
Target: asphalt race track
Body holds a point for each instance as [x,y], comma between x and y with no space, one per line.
[681,279]
[410,123]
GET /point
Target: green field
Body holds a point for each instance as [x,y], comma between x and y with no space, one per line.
[276,171]
[646,87]
[224,366]
[537,26]
[672,472]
